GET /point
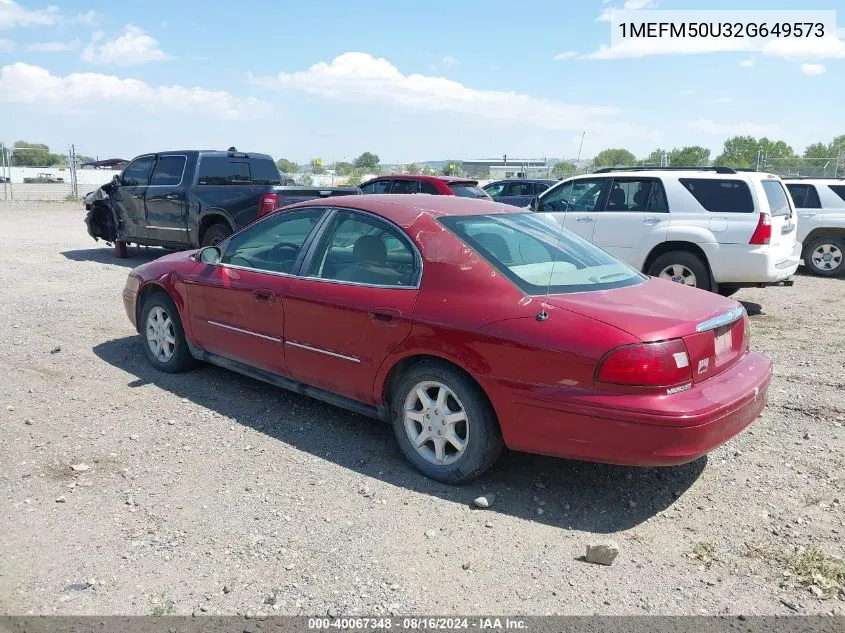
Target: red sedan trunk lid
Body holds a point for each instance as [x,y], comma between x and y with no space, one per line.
[712,327]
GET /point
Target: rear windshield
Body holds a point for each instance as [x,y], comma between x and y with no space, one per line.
[720,196]
[776,195]
[222,170]
[467,190]
[537,254]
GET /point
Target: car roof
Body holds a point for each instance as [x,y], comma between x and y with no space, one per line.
[811,179]
[404,208]
[207,152]
[518,180]
[704,172]
[446,179]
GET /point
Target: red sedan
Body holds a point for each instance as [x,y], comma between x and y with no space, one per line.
[467,326]
[434,185]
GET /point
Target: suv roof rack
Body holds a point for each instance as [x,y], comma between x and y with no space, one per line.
[813,177]
[718,169]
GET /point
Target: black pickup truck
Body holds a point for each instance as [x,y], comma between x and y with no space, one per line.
[189,199]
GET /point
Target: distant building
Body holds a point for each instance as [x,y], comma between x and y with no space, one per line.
[505,167]
[111,163]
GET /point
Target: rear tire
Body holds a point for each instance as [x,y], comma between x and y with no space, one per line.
[164,338]
[682,267]
[215,234]
[453,413]
[824,256]
[121,249]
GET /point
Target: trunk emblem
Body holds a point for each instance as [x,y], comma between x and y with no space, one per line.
[703,365]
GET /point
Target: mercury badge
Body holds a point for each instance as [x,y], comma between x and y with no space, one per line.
[703,364]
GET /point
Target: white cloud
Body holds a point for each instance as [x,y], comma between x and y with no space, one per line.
[6,45]
[813,69]
[567,55]
[27,84]
[734,129]
[747,63]
[132,48]
[13,15]
[634,48]
[802,48]
[448,61]
[630,5]
[360,77]
[722,100]
[53,47]
[89,18]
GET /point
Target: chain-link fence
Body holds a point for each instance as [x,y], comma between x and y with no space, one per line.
[833,167]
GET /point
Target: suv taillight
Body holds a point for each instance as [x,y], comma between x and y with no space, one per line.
[647,365]
[267,203]
[763,232]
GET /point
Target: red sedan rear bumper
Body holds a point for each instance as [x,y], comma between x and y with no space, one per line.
[636,430]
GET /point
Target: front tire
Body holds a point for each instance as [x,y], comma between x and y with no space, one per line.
[444,423]
[682,267]
[215,234]
[823,256]
[164,338]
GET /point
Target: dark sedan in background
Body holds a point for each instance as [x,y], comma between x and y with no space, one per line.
[517,192]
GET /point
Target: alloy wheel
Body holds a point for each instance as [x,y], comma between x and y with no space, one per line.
[161,336]
[436,423]
[827,257]
[679,274]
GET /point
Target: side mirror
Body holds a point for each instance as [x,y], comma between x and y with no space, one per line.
[209,255]
[534,205]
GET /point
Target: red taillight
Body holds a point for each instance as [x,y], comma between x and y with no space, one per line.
[763,232]
[647,365]
[267,203]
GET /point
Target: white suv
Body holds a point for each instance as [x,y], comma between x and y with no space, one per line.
[716,228]
[820,203]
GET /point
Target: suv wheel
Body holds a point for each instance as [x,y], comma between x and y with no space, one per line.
[164,338]
[444,424]
[681,267]
[215,234]
[823,256]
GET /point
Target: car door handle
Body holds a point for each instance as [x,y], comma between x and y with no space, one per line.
[385,316]
[264,296]
[172,196]
[651,220]
[584,218]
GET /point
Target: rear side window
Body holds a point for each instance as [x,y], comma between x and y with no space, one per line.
[776,195]
[378,186]
[405,186]
[720,196]
[839,190]
[168,171]
[427,187]
[467,190]
[221,170]
[804,196]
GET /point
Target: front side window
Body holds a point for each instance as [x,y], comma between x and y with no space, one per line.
[137,173]
[377,186]
[273,244]
[535,253]
[636,194]
[495,189]
[168,171]
[584,194]
[720,196]
[540,187]
[776,195]
[804,196]
[405,186]
[360,249]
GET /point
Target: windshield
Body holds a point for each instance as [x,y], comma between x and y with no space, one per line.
[468,190]
[778,202]
[536,253]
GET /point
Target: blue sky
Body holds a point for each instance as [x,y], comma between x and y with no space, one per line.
[408,81]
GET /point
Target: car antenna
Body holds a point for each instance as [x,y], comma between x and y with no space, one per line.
[544,314]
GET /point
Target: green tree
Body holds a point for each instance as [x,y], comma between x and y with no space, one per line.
[429,171]
[563,168]
[307,180]
[413,169]
[26,154]
[367,160]
[343,168]
[317,166]
[741,151]
[286,166]
[614,158]
[452,168]
[655,158]
[689,156]
[354,180]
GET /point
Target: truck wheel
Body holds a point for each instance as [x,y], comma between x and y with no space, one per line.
[681,267]
[120,249]
[215,234]
[823,256]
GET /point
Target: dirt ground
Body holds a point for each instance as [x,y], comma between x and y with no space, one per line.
[209,492]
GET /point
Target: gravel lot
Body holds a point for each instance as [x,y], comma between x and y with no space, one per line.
[212,493]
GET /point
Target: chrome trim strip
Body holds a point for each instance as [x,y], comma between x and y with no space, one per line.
[253,270]
[166,228]
[237,329]
[358,283]
[322,351]
[719,321]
